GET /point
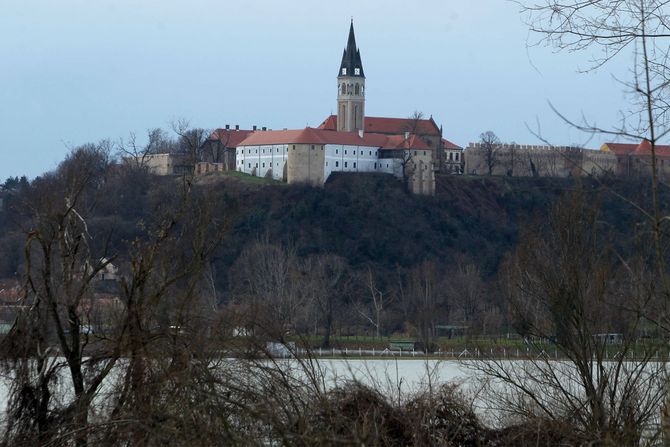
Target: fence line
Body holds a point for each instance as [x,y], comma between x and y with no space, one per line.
[465,353]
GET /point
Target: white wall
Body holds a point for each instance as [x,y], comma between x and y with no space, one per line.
[342,158]
[258,160]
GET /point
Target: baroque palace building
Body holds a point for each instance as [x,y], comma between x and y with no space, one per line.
[411,149]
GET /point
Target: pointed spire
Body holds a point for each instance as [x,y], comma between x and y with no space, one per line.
[351,58]
[351,42]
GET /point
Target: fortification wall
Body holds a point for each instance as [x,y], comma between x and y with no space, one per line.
[537,161]
[306,163]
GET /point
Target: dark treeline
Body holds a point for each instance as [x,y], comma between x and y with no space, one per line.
[392,263]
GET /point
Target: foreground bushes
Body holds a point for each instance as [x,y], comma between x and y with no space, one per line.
[355,414]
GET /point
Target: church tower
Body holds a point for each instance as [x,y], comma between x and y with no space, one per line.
[351,88]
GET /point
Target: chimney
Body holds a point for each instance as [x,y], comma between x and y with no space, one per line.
[265,128]
[237,127]
[227,126]
[407,135]
[254,127]
[360,133]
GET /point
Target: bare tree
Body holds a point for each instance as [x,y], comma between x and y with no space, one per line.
[423,300]
[168,330]
[136,154]
[217,150]
[414,123]
[570,294]
[408,166]
[373,310]
[325,279]
[60,270]
[268,286]
[190,139]
[490,146]
[58,343]
[466,292]
[608,28]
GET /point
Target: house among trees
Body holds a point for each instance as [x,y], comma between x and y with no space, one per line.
[107,273]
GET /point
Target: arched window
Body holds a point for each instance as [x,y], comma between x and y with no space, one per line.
[357,89]
[344,89]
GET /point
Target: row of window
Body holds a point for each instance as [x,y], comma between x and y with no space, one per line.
[337,151]
[356,89]
[337,164]
[357,71]
[241,151]
[269,151]
[346,164]
[241,163]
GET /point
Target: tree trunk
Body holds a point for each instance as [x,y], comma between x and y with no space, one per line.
[328,327]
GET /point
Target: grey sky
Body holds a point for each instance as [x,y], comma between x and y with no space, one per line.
[74,71]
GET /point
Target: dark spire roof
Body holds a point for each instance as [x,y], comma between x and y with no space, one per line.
[351,58]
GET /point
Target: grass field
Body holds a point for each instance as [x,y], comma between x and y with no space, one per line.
[469,347]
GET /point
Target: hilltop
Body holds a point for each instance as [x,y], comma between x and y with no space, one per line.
[456,239]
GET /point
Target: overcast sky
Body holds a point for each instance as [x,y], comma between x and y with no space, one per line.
[75,71]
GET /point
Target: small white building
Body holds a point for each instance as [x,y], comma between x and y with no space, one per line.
[108,273]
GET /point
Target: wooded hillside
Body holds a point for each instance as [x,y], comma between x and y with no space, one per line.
[382,238]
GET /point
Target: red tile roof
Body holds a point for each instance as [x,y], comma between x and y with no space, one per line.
[446,144]
[319,136]
[399,142]
[268,137]
[620,148]
[393,126]
[230,138]
[644,148]
[329,123]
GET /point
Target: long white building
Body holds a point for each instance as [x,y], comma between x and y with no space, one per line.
[311,155]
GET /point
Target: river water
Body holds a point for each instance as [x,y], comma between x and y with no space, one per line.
[395,378]
[409,375]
